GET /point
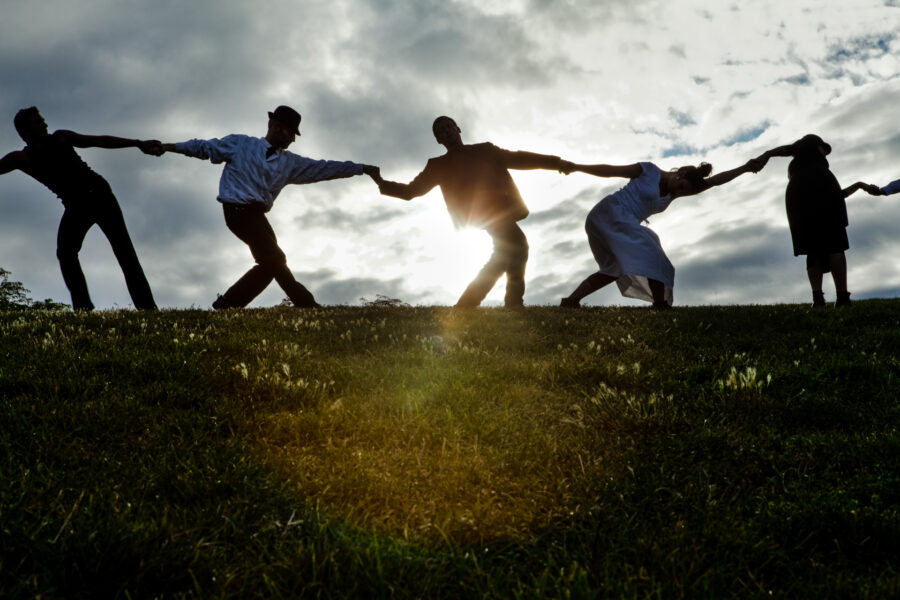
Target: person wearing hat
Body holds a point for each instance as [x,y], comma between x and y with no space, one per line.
[256,170]
[817,214]
[479,191]
[50,158]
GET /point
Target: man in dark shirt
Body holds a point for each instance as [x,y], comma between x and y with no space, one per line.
[88,200]
[479,191]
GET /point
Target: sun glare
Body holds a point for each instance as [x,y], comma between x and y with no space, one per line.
[456,257]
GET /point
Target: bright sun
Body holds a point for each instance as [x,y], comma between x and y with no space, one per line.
[458,255]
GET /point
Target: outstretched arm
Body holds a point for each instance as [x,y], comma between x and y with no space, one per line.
[762,159]
[11,161]
[629,171]
[752,165]
[422,184]
[172,148]
[78,140]
[859,185]
[530,160]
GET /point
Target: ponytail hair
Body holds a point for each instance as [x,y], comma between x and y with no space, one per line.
[696,175]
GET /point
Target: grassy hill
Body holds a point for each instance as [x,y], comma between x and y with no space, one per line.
[424,452]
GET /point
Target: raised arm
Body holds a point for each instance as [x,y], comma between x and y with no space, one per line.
[629,171]
[108,141]
[11,161]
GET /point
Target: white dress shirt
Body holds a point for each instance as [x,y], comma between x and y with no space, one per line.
[251,178]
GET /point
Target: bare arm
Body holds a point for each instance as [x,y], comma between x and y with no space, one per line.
[404,191]
[108,141]
[787,150]
[859,185]
[530,160]
[11,161]
[422,184]
[629,171]
[753,165]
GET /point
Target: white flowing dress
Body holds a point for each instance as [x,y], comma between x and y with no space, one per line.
[623,247]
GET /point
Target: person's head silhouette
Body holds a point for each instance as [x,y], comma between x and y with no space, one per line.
[284,127]
[446,132]
[30,124]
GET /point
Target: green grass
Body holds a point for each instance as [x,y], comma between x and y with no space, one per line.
[423,452]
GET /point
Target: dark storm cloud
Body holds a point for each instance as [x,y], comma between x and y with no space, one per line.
[733,263]
[450,45]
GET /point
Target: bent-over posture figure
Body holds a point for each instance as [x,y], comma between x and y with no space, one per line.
[51,159]
[479,191]
[626,251]
[256,170]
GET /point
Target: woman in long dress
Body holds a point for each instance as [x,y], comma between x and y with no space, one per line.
[626,251]
[817,213]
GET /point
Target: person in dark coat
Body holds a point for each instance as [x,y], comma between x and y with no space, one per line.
[817,213]
[479,192]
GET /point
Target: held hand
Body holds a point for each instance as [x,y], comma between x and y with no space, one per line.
[566,166]
[373,172]
[756,165]
[151,147]
[871,189]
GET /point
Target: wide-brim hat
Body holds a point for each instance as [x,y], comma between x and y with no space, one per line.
[287,116]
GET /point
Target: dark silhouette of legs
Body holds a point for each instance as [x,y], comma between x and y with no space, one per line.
[250,225]
[102,210]
[510,257]
[590,285]
[73,227]
[599,280]
[836,262]
[112,223]
[658,290]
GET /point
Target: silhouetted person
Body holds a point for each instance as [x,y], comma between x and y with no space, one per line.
[88,200]
[626,251]
[817,214]
[480,192]
[256,170]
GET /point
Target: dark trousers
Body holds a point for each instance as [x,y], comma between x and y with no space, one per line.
[250,225]
[98,207]
[509,257]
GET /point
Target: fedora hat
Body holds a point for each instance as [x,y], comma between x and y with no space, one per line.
[287,116]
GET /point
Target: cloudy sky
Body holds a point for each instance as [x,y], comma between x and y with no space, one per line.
[612,81]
